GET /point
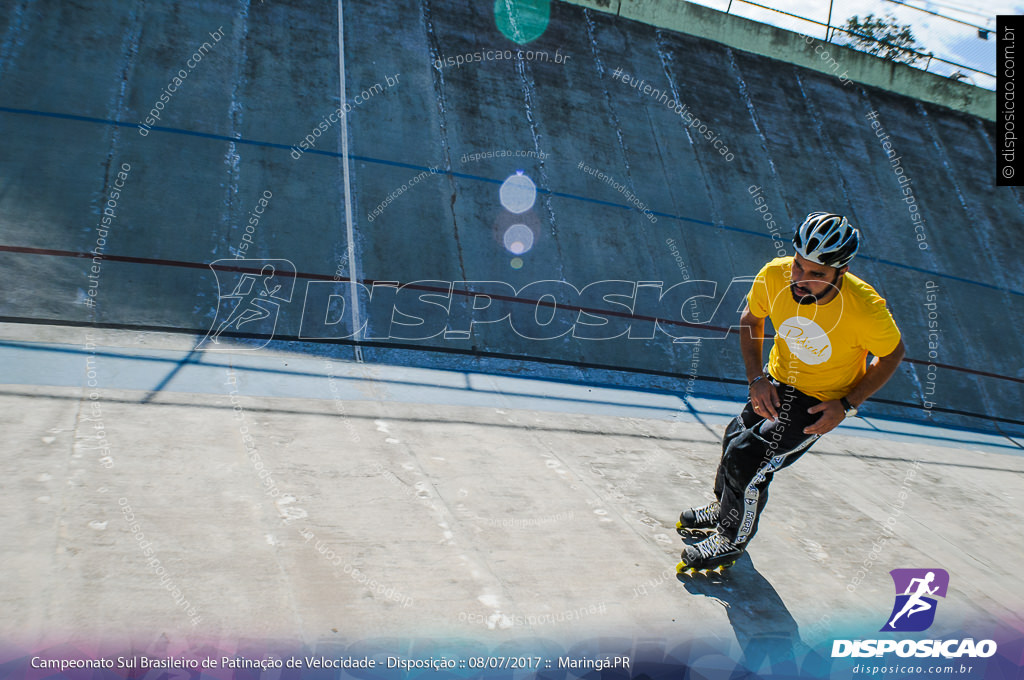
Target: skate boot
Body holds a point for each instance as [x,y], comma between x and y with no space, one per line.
[714,552]
[704,517]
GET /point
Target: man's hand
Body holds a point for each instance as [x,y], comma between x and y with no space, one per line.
[832,413]
[765,399]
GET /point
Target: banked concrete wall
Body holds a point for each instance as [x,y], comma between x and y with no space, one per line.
[413,193]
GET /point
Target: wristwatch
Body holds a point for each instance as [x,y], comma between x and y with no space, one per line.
[849,408]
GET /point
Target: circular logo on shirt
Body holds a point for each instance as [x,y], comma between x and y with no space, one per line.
[806,340]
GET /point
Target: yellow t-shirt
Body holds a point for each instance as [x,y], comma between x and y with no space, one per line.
[822,349]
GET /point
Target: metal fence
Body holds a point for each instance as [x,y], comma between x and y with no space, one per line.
[928,58]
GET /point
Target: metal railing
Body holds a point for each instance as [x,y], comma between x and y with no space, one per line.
[830,31]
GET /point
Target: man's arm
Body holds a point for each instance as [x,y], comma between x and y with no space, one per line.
[879,371]
[763,395]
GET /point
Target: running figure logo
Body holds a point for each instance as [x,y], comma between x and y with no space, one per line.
[258,288]
[914,609]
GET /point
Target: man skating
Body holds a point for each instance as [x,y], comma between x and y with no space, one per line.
[826,323]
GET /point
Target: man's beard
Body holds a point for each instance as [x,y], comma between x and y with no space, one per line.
[810,298]
[807,298]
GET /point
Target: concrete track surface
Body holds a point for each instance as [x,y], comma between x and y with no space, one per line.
[384,502]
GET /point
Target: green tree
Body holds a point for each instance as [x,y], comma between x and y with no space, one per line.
[883,37]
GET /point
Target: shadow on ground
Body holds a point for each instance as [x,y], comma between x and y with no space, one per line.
[764,628]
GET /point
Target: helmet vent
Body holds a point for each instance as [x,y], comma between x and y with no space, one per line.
[827,238]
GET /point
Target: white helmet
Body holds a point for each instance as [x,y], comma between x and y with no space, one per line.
[828,239]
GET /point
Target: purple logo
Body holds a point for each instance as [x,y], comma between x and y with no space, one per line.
[916,590]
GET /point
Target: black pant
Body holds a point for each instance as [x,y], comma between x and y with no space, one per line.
[753,449]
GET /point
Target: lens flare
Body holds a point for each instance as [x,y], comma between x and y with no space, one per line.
[518,193]
[518,239]
[522,21]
